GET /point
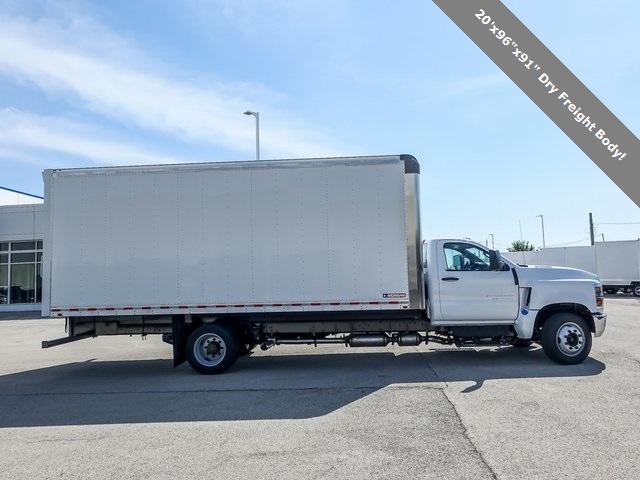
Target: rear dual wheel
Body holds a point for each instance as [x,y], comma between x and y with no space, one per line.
[212,348]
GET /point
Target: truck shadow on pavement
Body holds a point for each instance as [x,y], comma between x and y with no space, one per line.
[259,387]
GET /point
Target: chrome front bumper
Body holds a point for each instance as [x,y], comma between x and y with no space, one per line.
[600,323]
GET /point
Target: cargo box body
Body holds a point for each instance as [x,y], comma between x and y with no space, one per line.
[238,237]
[618,262]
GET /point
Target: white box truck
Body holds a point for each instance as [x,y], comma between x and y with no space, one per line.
[221,257]
[617,263]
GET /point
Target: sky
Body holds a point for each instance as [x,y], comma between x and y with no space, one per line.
[119,82]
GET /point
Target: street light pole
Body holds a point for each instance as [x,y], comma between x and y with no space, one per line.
[257,115]
[493,243]
[542,222]
[520,225]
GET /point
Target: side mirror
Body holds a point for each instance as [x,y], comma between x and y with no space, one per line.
[495,260]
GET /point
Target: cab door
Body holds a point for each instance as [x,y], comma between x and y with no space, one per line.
[470,290]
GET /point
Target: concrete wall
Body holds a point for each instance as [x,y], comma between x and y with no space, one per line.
[21,222]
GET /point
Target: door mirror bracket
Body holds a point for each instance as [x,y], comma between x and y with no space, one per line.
[495,260]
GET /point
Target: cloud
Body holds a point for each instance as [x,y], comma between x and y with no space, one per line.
[129,88]
[255,19]
[22,132]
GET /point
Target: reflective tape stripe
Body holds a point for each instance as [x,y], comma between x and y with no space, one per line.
[235,305]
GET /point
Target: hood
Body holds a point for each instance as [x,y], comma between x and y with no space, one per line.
[544,272]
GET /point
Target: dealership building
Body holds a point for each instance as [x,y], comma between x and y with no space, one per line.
[21,234]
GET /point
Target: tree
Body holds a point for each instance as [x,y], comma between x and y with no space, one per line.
[521,246]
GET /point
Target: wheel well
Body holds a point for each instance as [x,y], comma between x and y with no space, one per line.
[242,327]
[552,309]
[199,320]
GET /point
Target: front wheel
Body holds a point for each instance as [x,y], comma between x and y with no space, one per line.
[566,338]
[212,348]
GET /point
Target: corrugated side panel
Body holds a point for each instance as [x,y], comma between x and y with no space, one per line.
[313,236]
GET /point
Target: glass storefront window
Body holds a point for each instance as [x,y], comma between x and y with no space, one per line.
[20,272]
[23,246]
[4,284]
[23,283]
[38,282]
[23,257]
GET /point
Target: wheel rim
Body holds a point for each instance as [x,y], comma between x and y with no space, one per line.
[571,339]
[209,349]
[636,290]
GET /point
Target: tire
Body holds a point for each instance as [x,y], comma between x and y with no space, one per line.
[636,290]
[566,338]
[610,291]
[522,342]
[212,348]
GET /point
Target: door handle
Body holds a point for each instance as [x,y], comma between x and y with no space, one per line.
[450,279]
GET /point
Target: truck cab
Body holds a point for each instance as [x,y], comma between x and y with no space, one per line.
[472,291]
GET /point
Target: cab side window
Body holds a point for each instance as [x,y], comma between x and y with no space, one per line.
[465,257]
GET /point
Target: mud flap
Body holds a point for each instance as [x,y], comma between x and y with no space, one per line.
[180,333]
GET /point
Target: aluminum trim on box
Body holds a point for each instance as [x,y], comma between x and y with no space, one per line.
[414,241]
